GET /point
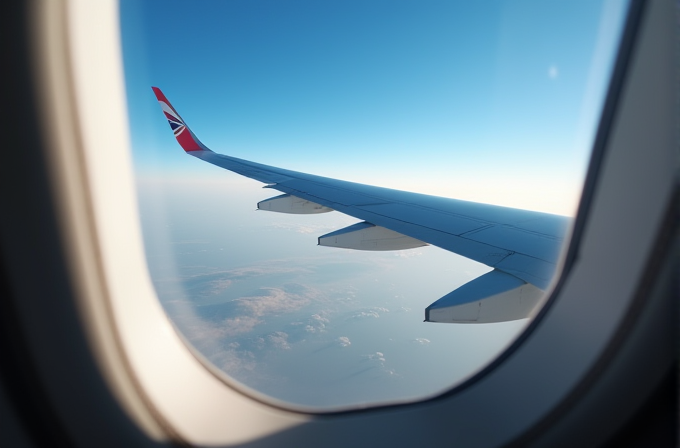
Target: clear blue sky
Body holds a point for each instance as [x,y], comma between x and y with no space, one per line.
[489,101]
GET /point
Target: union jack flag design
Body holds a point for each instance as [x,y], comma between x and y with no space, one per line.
[183,134]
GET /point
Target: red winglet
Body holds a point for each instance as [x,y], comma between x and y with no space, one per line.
[183,134]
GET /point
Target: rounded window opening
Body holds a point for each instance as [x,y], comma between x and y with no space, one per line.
[464,131]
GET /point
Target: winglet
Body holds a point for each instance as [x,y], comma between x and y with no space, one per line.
[183,134]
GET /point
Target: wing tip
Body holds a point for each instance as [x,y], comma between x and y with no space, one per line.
[159,95]
[187,140]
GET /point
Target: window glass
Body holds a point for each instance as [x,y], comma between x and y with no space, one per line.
[491,102]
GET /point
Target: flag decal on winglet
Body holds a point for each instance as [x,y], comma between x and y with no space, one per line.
[183,134]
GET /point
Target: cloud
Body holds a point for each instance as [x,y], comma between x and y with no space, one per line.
[421,341]
[279,340]
[275,301]
[408,253]
[318,318]
[364,314]
[315,324]
[235,363]
[236,331]
[553,72]
[373,312]
[377,357]
[377,363]
[217,286]
[258,342]
[213,283]
[343,341]
[238,325]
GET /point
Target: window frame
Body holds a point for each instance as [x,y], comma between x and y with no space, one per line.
[531,394]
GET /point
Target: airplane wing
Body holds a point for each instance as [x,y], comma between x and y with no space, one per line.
[522,246]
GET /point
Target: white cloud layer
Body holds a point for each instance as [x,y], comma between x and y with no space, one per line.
[343,341]
[279,340]
[275,301]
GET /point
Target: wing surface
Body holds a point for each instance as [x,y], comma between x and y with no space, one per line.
[520,244]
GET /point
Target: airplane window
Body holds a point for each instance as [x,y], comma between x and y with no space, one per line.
[493,104]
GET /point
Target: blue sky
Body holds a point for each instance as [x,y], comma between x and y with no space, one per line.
[489,101]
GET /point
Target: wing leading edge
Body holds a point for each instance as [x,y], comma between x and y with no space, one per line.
[522,246]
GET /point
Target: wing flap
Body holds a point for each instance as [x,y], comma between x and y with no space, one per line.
[366,236]
[494,297]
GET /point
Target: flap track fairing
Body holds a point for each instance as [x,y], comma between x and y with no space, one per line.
[493,297]
[366,236]
[287,203]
